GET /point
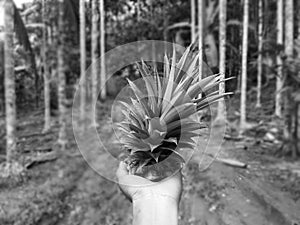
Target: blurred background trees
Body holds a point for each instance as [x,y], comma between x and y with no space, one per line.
[52,47]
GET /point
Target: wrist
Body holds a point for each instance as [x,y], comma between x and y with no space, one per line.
[155,209]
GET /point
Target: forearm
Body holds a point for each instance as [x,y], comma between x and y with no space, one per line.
[155,209]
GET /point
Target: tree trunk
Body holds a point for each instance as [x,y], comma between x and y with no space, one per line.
[166,24]
[47,119]
[193,21]
[102,50]
[9,81]
[289,28]
[82,60]
[153,43]
[289,105]
[239,74]
[295,131]
[298,106]
[200,37]
[62,136]
[279,78]
[49,31]
[222,50]
[244,64]
[94,68]
[2,100]
[138,13]
[138,18]
[260,49]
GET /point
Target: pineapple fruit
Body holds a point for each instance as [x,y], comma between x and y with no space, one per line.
[161,122]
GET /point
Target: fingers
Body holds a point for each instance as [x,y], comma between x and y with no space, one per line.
[177,176]
[121,174]
[175,180]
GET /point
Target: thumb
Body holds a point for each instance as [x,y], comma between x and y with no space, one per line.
[122,170]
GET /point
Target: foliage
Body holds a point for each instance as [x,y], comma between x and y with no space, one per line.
[160,122]
[127,21]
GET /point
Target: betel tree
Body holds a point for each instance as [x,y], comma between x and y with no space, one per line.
[193,20]
[102,50]
[222,54]
[260,53]
[94,53]
[46,74]
[244,64]
[22,39]
[62,136]
[82,59]
[2,100]
[279,77]
[290,109]
[9,81]
[12,26]
[201,6]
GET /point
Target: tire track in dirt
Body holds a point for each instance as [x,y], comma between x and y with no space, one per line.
[220,195]
[227,195]
[97,200]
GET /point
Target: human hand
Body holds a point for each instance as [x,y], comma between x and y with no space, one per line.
[135,187]
[153,202]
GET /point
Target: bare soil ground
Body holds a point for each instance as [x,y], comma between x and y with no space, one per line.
[66,191]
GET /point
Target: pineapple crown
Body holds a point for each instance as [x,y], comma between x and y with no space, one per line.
[159,117]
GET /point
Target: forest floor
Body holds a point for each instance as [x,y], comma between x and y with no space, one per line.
[64,190]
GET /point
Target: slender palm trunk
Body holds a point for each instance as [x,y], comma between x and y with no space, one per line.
[238,84]
[9,81]
[260,48]
[2,100]
[82,59]
[297,132]
[201,36]
[153,43]
[94,36]
[193,21]
[244,64]
[289,28]
[49,32]
[222,52]
[138,18]
[2,97]
[279,78]
[62,136]
[47,116]
[166,24]
[138,13]
[102,49]
[289,105]
[201,5]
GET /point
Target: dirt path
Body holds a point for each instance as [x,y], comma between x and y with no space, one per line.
[68,192]
[220,195]
[223,195]
[227,195]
